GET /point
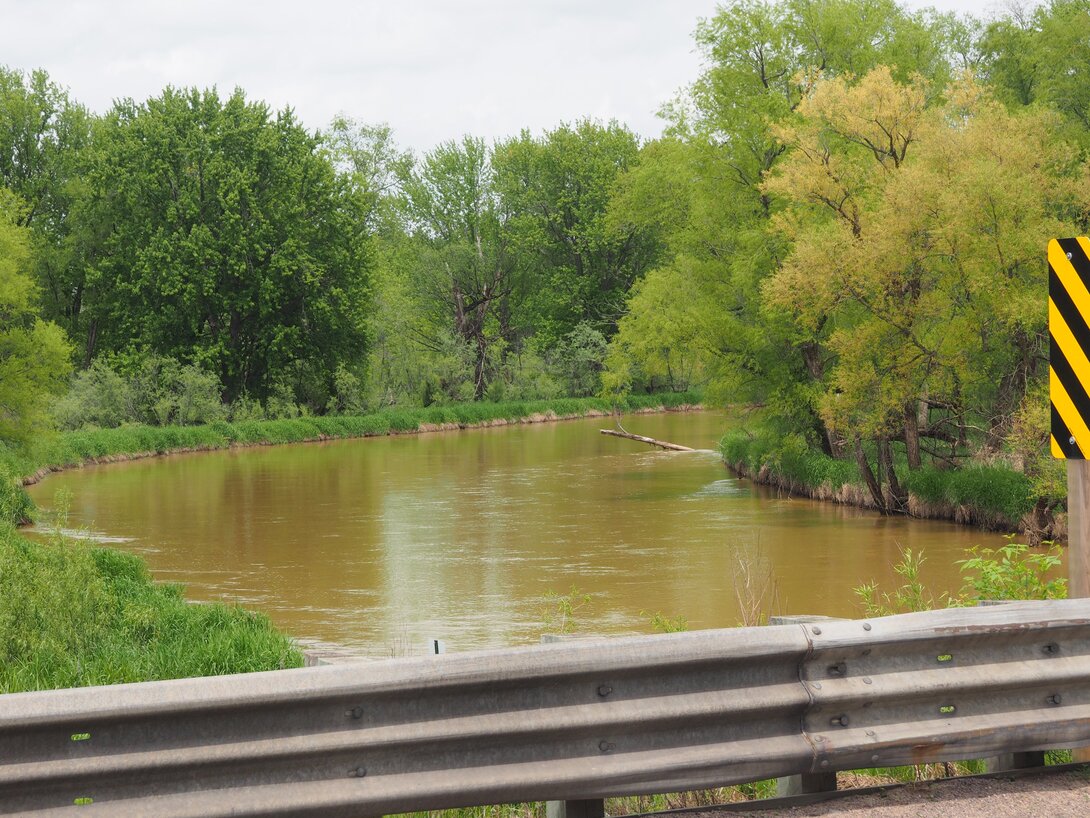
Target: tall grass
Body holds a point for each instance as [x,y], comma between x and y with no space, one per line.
[74,615]
[87,445]
[989,496]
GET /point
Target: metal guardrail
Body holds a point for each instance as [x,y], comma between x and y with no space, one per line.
[564,721]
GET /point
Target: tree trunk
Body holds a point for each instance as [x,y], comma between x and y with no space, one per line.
[92,338]
[896,497]
[912,437]
[868,477]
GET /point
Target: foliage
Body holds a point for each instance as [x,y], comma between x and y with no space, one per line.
[575,263]
[44,136]
[74,615]
[991,490]
[660,623]
[558,614]
[223,238]
[1013,571]
[911,596]
[578,359]
[154,390]
[16,507]
[34,355]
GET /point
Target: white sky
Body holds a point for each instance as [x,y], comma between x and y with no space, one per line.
[432,69]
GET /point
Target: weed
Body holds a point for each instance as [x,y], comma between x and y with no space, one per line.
[558,614]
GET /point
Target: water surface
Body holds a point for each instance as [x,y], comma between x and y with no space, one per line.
[385,543]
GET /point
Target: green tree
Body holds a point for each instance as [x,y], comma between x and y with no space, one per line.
[463,270]
[34,354]
[43,139]
[226,239]
[576,264]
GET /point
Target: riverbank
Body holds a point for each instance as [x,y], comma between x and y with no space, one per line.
[73,614]
[993,498]
[68,450]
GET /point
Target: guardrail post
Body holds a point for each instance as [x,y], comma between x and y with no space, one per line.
[806,782]
[592,808]
[1014,761]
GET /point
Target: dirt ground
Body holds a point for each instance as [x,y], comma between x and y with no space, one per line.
[1049,796]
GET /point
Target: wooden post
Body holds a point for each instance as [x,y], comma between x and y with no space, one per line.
[1078,528]
[1078,545]
[592,808]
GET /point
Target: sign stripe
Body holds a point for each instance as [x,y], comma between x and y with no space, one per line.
[1061,438]
[1060,335]
[1063,404]
[1060,299]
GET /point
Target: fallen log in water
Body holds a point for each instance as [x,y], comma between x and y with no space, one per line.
[649,440]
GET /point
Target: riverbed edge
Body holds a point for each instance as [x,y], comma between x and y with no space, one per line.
[1034,527]
[303,428]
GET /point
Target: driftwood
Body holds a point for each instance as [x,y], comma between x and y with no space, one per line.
[673,447]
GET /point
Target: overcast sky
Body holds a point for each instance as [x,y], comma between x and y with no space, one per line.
[432,69]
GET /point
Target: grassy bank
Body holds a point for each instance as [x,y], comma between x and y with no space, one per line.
[75,615]
[991,497]
[68,449]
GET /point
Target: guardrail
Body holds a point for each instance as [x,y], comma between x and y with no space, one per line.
[565,721]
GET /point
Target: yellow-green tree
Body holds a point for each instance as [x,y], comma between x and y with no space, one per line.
[917,232]
[34,355]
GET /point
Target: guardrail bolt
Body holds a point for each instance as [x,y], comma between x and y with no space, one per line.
[815,630]
[866,626]
[839,669]
[358,772]
[1054,699]
[841,720]
[867,680]
[1052,649]
[354,713]
[604,690]
[606,746]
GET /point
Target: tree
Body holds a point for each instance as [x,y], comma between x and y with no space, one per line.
[43,139]
[704,185]
[916,235]
[464,269]
[225,239]
[34,354]
[577,265]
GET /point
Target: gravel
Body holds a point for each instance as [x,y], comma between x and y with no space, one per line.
[1057,795]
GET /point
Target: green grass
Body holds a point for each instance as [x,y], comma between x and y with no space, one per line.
[999,497]
[992,489]
[75,615]
[74,448]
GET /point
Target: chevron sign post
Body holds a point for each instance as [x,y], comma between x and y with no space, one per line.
[1069,392]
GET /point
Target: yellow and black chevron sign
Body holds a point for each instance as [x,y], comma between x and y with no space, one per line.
[1069,353]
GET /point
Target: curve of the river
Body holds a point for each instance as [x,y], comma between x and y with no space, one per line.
[385,543]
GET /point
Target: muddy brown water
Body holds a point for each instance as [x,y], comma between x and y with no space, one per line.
[385,543]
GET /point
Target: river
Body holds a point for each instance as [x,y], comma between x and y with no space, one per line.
[384,544]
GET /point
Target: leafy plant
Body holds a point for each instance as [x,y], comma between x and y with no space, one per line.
[1013,571]
[558,615]
[911,596]
[660,623]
